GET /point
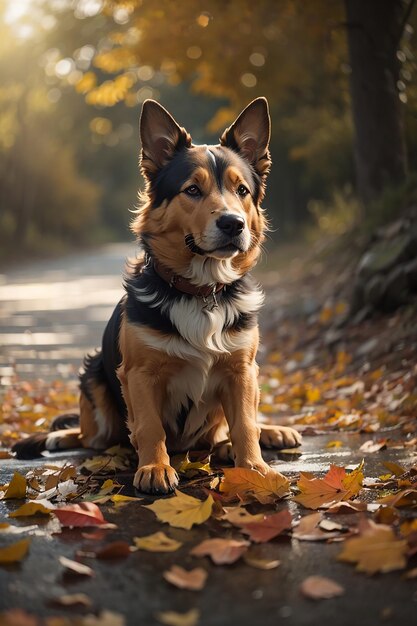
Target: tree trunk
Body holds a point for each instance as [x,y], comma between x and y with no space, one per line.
[374,32]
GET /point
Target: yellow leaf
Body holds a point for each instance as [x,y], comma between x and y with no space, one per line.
[33,508]
[377,549]
[182,511]
[190,469]
[157,542]
[395,468]
[16,488]
[334,444]
[117,498]
[171,618]
[242,482]
[15,552]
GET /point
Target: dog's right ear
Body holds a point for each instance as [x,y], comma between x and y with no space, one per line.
[160,135]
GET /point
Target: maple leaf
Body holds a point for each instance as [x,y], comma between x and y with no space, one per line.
[16,489]
[182,511]
[319,587]
[336,485]
[83,514]
[271,526]
[194,580]
[377,549]
[33,508]
[221,551]
[171,618]
[242,482]
[194,468]
[157,542]
[15,552]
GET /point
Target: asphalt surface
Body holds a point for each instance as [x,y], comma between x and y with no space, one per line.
[59,308]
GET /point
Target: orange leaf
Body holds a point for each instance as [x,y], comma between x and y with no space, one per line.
[271,526]
[242,482]
[16,488]
[377,549]
[221,551]
[15,552]
[194,580]
[319,587]
[83,514]
[337,485]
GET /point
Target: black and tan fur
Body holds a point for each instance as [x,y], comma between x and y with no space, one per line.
[177,371]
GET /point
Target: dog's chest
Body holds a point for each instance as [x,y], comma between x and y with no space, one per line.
[191,395]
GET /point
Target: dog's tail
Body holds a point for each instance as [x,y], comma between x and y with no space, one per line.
[64,434]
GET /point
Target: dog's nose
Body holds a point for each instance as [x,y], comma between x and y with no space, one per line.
[231,224]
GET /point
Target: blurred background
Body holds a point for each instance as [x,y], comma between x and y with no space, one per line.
[339,76]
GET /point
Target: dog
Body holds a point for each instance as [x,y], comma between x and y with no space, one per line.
[177,367]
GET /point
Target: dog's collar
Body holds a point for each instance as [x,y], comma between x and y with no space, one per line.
[184,285]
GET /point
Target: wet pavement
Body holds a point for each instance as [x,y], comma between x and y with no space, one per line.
[50,314]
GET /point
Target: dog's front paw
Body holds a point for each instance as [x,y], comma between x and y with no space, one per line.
[279,437]
[156,479]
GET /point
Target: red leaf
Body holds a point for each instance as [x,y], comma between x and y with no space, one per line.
[268,528]
[83,514]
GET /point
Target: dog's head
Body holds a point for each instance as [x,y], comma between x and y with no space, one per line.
[201,213]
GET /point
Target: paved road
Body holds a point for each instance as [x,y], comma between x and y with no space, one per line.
[52,312]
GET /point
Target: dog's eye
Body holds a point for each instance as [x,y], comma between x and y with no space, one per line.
[242,191]
[193,190]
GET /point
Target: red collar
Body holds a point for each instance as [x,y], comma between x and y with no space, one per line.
[183,284]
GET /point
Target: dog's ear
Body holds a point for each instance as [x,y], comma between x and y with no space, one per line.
[249,135]
[160,136]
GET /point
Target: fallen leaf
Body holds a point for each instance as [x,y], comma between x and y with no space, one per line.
[377,549]
[15,552]
[17,488]
[171,618]
[370,446]
[194,468]
[319,587]
[114,550]
[411,573]
[386,515]
[246,483]
[271,526]
[78,515]
[334,444]
[182,511]
[346,507]
[237,515]
[259,563]
[336,485]
[221,551]
[18,617]
[74,567]
[406,497]
[395,468]
[106,618]
[118,498]
[71,600]
[157,542]
[33,508]
[193,580]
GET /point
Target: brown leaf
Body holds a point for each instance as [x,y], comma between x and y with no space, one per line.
[377,549]
[346,507]
[406,497]
[114,550]
[18,617]
[319,587]
[370,446]
[271,526]
[193,580]
[221,551]
[259,563]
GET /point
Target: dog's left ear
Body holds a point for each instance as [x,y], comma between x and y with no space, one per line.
[249,135]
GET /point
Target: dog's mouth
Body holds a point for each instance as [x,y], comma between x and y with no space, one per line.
[228,249]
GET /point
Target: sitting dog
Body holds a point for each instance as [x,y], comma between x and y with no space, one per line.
[177,367]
